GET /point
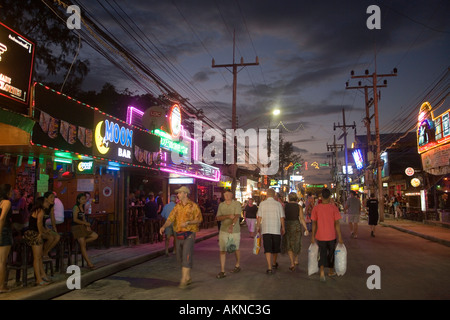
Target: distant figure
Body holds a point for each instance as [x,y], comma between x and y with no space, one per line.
[372,205]
[20,213]
[169,230]
[250,212]
[292,240]
[151,208]
[353,208]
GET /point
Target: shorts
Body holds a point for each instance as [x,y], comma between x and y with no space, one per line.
[272,243]
[169,231]
[223,239]
[80,231]
[353,218]
[251,223]
[32,238]
[185,251]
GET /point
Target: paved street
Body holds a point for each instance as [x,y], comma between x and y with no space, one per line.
[411,268]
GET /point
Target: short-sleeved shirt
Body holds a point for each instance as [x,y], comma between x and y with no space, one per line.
[182,213]
[167,209]
[354,206]
[325,215]
[372,204]
[271,212]
[250,212]
[227,209]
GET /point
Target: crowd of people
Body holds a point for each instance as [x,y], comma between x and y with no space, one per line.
[36,222]
[281,225]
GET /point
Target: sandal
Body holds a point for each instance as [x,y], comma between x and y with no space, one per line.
[269,271]
[221,275]
[275,266]
[332,274]
[236,269]
[292,268]
[42,283]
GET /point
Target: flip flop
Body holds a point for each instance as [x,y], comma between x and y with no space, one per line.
[236,269]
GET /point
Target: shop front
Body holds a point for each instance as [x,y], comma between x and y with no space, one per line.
[433,143]
[73,148]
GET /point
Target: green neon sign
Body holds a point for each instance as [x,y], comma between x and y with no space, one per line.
[168,143]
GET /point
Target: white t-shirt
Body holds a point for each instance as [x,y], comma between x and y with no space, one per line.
[271,212]
[58,209]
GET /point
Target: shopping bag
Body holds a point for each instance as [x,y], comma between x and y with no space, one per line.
[230,246]
[313,258]
[340,259]
[256,244]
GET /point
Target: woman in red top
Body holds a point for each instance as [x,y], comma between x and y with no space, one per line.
[325,217]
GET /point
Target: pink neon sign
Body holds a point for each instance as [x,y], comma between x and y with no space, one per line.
[133,113]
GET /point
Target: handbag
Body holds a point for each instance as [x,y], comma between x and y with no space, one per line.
[183,235]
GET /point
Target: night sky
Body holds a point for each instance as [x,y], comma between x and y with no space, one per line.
[306,50]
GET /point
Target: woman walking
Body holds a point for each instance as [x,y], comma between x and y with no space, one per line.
[5,233]
[292,240]
[81,229]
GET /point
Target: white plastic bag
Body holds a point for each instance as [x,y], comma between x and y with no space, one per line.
[257,244]
[313,258]
[340,259]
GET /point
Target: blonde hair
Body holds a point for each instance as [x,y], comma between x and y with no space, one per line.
[271,193]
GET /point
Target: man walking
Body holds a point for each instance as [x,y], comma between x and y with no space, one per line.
[325,226]
[169,230]
[186,217]
[271,223]
[372,205]
[228,214]
[353,208]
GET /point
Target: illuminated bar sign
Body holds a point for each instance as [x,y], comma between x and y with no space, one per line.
[113,138]
[85,167]
[16,66]
[357,156]
[432,131]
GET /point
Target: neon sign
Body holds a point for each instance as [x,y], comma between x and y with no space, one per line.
[115,137]
[16,65]
[432,131]
[357,156]
[175,120]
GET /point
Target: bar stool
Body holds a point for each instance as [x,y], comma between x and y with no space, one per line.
[116,232]
[104,235]
[21,263]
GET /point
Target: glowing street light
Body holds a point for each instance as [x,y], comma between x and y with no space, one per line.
[276,112]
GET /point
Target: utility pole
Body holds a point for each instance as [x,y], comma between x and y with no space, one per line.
[234,69]
[344,127]
[334,148]
[374,77]
[367,121]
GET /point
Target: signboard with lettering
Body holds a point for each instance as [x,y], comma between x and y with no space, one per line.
[16,68]
[432,132]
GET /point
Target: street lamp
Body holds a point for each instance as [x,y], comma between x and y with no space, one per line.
[276,112]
